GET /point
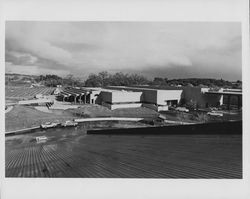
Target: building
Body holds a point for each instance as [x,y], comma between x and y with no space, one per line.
[123,97]
[79,95]
[208,97]
[156,99]
[115,97]
[199,96]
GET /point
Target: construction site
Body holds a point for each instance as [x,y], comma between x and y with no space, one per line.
[141,121]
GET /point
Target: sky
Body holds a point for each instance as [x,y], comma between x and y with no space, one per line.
[152,49]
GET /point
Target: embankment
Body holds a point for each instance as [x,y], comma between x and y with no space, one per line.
[205,128]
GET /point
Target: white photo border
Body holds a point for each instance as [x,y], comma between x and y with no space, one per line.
[137,10]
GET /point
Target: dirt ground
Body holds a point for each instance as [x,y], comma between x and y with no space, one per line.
[101,111]
[25,117]
[201,117]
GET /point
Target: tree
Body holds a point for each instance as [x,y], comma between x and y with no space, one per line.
[160,81]
[93,81]
[117,79]
[136,79]
[50,80]
[105,78]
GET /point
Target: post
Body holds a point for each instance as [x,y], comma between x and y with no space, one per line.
[85,97]
[221,100]
[90,101]
[80,98]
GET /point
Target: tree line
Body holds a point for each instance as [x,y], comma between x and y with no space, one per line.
[105,78]
[118,79]
[54,80]
[197,82]
[94,80]
[121,79]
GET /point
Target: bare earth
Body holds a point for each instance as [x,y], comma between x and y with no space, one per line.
[21,117]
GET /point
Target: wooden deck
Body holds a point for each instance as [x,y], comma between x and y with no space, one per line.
[76,154]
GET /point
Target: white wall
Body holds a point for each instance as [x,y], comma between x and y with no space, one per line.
[117,106]
[94,95]
[152,96]
[121,96]
[164,95]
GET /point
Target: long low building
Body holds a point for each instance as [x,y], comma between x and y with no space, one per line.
[123,97]
[155,99]
[115,97]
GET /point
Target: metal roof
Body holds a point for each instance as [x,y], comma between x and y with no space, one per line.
[223,93]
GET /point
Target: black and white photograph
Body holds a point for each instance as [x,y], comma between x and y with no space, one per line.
[123,99]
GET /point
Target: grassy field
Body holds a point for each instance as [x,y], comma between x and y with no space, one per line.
[201,117]
[101,111]
[25,117]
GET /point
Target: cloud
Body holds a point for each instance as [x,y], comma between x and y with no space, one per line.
[34,70]
[21,38]
[86,47]
[20,58]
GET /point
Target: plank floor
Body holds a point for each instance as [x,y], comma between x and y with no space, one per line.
[78,155]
